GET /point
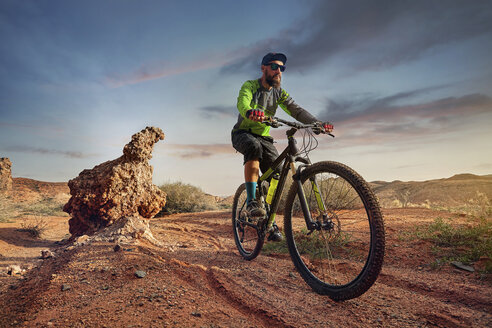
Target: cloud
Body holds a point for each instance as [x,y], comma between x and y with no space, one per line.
[386,109]
[371,120]
[32,127]
[193,151]
[147,73]
[218,110]
[44,151]
[370,35]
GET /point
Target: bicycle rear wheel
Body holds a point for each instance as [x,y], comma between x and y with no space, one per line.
[343,256]
[249,240]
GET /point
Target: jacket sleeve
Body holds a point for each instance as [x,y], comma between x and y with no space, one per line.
[244,98]
[290,107]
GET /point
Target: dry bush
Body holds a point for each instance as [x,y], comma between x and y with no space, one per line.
[186,198]
[6,209]
[48,206]
[462,242]
[35,227]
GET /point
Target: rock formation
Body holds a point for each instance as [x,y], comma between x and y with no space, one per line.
[117,190]
[5,175]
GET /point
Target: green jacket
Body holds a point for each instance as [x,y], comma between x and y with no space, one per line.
[253,96]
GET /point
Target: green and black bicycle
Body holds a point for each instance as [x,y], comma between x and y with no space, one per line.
[332,221]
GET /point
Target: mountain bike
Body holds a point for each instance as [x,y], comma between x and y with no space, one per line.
[332,220]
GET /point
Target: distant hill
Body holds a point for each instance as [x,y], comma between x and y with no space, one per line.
[458,190]
[26,189]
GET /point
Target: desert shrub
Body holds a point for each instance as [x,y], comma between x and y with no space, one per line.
[478,206]
[275,248]
[35,227]
[47,206]
[466,243]
[308,243]
[5,208]
[185,198]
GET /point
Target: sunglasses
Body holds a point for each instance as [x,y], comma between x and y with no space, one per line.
[275,67]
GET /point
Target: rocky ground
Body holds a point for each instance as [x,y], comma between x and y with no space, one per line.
[198,279]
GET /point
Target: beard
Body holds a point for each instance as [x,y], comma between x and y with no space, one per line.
[274,80]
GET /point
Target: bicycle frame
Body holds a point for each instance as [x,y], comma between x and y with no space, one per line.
[342,264]
[287,157]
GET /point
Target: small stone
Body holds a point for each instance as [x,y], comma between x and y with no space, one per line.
[196,314]
[14,270]
[461,266]
[82,240]
[65,287]
[292,274]
[140,274]
[46,254]
[117,248]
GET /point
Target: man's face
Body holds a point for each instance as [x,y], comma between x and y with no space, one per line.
[272,77]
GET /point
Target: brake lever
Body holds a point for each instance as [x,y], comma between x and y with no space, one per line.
[272,122]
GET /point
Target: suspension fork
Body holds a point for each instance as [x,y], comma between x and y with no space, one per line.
[317,194]
[311,225]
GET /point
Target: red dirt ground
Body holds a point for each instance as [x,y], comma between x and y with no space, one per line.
[198,279]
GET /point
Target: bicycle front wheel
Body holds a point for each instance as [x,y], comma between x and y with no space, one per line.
[342,254]
[247,236]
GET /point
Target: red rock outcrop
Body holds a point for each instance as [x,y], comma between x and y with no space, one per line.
[117,189]
[5,175]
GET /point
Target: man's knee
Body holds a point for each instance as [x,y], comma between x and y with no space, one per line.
[253,150]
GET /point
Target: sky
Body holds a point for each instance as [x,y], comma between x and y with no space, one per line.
[407,84]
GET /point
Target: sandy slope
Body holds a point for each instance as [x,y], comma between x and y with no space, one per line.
[198,280]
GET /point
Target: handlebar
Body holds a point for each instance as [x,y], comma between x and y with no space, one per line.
[276,122]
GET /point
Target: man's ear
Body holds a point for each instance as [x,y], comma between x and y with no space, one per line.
[263,68]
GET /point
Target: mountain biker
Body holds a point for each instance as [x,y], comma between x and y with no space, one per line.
[257,99]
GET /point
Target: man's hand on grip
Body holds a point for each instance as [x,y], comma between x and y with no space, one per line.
[256,115]
[323,127]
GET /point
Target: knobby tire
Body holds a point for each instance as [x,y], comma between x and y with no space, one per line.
[248,240]
[344,261]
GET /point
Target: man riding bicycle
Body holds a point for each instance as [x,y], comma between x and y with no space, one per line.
[251,137]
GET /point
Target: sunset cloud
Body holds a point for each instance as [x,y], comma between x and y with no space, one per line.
[369,120]
[45,151]
[144,73]
[367,35]
[218,110]
[386,109]
[194,151]
[149,72]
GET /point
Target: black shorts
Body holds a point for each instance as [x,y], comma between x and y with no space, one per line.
[253,146]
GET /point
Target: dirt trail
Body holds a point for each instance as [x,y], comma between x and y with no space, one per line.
[197,279]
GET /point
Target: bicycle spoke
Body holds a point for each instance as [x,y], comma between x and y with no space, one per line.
[246,236]
[336,253]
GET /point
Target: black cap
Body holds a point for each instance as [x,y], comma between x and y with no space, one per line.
[272,56]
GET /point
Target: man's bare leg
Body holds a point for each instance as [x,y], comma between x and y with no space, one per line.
[252,170]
